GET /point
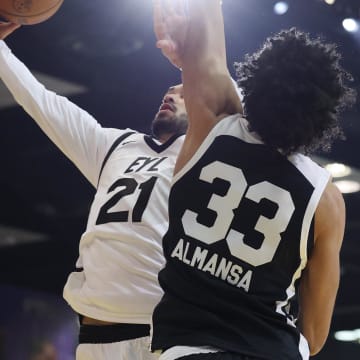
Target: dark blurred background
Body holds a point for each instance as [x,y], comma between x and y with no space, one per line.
[101,55]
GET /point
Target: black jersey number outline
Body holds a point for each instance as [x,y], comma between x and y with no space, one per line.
[224,206]
[129,187]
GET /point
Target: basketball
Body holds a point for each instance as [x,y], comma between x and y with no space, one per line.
[28,12]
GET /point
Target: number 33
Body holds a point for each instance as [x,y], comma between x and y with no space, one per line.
[224,206]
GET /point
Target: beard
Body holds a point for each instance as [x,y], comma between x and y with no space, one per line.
[169,124]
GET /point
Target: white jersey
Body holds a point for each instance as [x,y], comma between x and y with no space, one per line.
[120,251]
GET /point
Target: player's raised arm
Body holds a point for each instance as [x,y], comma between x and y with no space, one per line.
[73,130]
[191,35]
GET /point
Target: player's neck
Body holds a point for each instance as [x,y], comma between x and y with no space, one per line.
[163,138]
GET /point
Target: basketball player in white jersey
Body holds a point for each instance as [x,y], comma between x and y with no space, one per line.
[253,223]
[115,288]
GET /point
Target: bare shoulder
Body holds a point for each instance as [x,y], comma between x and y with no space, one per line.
[331,202]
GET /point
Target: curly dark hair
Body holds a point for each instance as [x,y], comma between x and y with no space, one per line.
[294,90]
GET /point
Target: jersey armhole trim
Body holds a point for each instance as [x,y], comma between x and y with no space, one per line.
[115,144]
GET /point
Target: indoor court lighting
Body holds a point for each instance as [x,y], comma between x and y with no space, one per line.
[330,2]
[348,335]
[281,8]
[338,170]
[350,25]
[347,186]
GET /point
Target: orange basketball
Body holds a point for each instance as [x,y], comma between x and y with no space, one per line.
[28,12]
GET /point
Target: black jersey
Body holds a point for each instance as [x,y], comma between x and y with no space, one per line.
[239,234]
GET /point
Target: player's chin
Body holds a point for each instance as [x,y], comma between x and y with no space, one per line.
[163,124]
[163,117]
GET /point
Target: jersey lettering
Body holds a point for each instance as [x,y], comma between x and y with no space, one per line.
[147,163]
[212,263]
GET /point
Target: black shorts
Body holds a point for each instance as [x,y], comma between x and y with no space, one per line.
[218,356]
[93,334]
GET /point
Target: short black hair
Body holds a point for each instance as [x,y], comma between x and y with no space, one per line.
[294,90]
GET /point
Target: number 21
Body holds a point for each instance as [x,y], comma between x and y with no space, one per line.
[129,186]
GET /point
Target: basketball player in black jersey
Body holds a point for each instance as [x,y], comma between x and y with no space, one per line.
[254,224]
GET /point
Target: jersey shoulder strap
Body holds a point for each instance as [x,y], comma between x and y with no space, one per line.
[115,144]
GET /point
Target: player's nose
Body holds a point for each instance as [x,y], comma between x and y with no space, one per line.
[168,99]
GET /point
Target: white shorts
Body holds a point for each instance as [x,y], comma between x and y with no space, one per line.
[135,349]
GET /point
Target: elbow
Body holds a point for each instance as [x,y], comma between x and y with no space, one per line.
[316,342]
[315,330]
[315,348]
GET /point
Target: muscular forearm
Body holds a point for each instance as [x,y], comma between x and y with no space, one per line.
[206,38]
[205,73]
[316,307]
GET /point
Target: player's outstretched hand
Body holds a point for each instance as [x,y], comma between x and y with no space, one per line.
[171,25]
[6,28]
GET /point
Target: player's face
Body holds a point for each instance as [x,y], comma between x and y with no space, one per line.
[171,117]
